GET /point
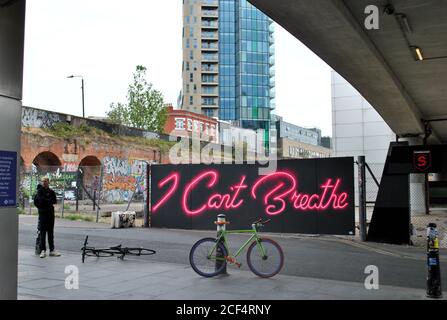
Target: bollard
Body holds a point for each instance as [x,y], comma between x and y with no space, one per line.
[434,289]
[221,223]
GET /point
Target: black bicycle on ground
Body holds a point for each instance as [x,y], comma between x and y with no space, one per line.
[118,250]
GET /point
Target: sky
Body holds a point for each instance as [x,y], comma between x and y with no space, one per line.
[104,40]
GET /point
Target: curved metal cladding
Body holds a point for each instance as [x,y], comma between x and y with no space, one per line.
[310,196]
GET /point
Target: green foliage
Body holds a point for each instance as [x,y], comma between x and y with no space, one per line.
[145,106]
[162,145]
[65,130]
[20,210]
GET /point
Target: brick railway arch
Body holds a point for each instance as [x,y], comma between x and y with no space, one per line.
[91,172]
[47,161]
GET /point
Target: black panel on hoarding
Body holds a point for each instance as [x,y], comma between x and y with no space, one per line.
[291,220]
[169,215]
[390,222]
[340,221]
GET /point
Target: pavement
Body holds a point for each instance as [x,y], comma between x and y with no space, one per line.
[315,267]
[111,278]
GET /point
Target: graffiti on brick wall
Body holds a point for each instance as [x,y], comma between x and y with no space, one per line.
[60,181]
[39,118]
[123,178]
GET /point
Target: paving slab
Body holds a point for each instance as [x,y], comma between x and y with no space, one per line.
[142,279]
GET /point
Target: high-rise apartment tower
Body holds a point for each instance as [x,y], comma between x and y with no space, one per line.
[228,62]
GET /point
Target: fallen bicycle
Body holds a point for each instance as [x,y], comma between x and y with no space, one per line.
[119,250]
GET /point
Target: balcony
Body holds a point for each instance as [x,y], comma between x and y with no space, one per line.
[209,24]
[209,46]
[210,35]
[210,81]
[210,3]
[209,91]
[210,13]
[210,57]
[213,69]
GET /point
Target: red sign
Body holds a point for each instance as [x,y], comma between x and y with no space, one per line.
[422,160]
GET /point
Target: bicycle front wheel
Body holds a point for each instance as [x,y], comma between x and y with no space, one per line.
[208,258]
[98,253]
[268,264]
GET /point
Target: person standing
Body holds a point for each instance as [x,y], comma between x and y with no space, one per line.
[44,200]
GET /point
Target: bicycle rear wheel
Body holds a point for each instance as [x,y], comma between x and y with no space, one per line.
[268,265]
[140,252]
[207,259]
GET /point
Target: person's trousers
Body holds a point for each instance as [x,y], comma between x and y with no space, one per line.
[46,227]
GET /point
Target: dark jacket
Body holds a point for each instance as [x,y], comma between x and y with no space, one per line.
[44,199]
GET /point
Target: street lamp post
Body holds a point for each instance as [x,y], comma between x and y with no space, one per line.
[82,87]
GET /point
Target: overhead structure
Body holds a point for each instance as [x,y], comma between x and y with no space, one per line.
[400,68]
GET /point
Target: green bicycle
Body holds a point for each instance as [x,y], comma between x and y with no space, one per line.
[209,256]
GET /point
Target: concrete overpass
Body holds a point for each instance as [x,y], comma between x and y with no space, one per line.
[383,65]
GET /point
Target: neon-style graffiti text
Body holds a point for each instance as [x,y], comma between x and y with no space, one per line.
[276,191]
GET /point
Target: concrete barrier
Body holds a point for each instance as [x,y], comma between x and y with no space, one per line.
[122,219]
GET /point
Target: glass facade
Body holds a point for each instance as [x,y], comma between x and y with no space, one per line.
[246,64]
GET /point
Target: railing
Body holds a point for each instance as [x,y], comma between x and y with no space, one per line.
[209,80]
[210,3]
[208,46]
[210,57]
[211,35]
[211,91]
[210,13]
[212,24]
[210,69]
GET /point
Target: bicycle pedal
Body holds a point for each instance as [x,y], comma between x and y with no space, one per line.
[238,264]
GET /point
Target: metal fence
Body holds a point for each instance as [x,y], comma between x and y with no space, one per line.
[419,219]
[91,190]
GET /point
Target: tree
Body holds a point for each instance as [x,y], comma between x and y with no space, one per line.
[145,106]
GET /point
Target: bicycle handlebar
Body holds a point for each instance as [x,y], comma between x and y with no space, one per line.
[262,222]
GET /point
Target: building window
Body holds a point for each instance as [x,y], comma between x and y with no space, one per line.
[191,100]
[191,77]
[189,124]
[179,123]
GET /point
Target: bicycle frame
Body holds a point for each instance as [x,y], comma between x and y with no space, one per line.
[254,236]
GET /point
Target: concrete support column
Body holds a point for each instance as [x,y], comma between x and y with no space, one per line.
[417,184]
[12,29]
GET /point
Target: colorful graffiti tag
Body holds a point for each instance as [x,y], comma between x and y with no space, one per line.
[123,178]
